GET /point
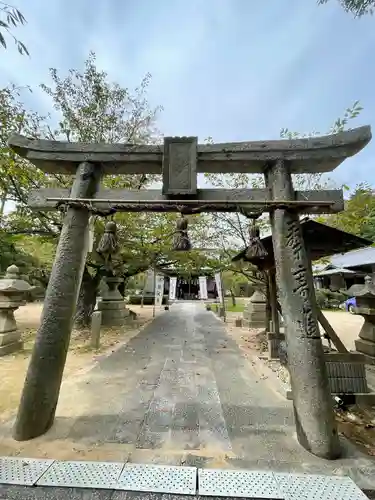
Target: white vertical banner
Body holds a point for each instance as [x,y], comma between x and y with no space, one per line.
[172,288]
[203,288]
[159,289]
[219,288]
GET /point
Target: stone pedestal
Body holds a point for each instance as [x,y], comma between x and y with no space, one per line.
[112,304]
[365,300]
[12,293]
[255,313]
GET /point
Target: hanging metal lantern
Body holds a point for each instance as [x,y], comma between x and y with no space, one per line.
[108,244]
[181,240]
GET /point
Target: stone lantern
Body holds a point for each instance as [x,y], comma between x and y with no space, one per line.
[112,304]
[12,296]
[365,306]
[255,313]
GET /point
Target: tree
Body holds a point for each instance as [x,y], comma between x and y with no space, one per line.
[90,109]
[11,18]
[18,176]
[358,216]
[93,109]
[357,7]
[231,230]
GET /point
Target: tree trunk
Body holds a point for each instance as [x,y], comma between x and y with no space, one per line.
[233,297]
[86,299]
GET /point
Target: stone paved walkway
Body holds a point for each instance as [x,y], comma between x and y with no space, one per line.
[183,385]
[181,392]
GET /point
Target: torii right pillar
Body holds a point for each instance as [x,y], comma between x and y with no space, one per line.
[312,400]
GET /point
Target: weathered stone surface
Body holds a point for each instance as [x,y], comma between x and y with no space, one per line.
[273,341]
[316,428]
[365,306]
[238,322]
[112,305]
[12,296]
[255,313]
[40,393]
[180,166]
[213,199]
[311,155]
[96,323]
[10,347]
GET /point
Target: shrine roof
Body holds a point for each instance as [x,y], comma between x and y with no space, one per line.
[321,241]
[355,258]
[334,270]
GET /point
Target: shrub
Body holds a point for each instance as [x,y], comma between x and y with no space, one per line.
[148,300]
[321,299]
[327,299]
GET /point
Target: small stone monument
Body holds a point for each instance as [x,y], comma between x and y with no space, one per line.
[365,306]
[255,313]
[12,296]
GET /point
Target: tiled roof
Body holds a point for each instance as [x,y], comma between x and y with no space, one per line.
[355,258]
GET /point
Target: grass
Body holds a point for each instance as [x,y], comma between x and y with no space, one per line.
[239,307]
[229,307]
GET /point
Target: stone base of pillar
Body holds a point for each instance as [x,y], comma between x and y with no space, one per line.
[114,312]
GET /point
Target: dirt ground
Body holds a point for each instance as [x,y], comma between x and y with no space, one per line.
[355,423]
[81,355]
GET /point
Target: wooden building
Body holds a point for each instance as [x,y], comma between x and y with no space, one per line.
[187,286]
[345,269]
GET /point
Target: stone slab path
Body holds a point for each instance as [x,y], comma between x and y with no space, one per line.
[181,386]
[181,392]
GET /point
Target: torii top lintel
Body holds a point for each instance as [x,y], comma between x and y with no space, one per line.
[311,155]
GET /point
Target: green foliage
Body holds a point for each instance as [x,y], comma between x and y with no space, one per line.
[17,176]
[357,7]
[327,299]
[11,18]
[230,231]
[339,125]
[359,215]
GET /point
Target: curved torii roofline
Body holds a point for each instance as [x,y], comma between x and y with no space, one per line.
[310,155]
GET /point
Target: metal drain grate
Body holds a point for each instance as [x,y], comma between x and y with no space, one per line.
[238,483]
[313,487]
[158,479]
[25,471]
[82,475]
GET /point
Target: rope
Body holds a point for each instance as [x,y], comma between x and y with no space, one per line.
[62,206]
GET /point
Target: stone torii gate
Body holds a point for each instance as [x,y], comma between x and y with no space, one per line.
[179,160]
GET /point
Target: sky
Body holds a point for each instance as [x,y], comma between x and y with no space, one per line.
[234,70]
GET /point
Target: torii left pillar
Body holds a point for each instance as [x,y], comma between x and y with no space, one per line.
[40,394]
